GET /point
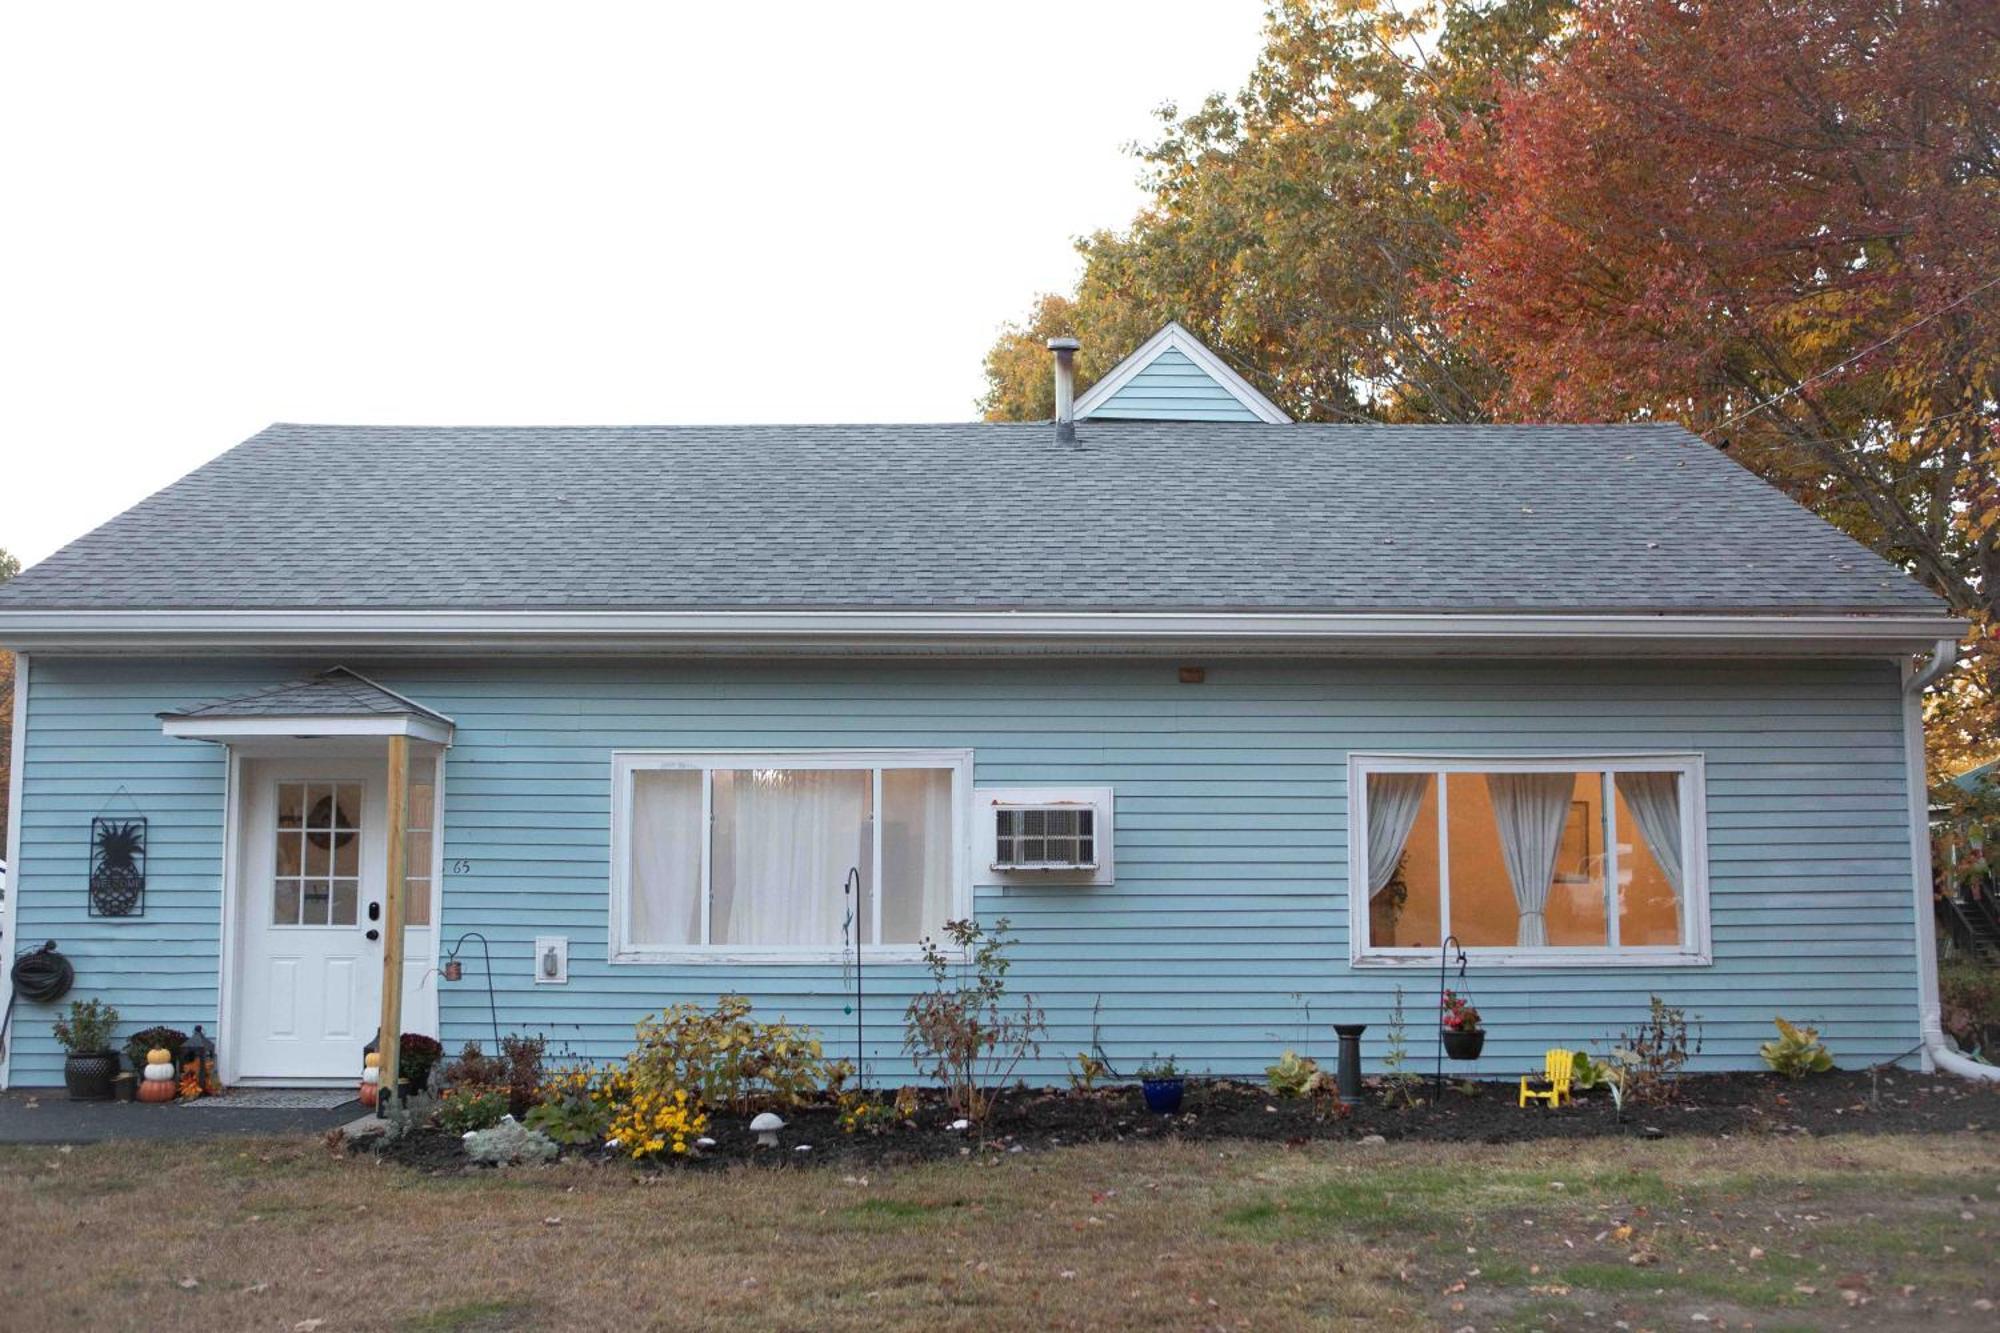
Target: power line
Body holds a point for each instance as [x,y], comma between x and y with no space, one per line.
[1909,328]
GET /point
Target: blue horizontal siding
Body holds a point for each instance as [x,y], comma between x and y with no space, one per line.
[1171,387]
[1228,921]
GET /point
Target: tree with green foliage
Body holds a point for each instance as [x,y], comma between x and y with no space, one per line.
[1293,228]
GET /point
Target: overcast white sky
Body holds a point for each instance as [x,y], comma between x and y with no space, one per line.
[219,216]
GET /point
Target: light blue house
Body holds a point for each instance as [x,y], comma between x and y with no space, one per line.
[1234,719]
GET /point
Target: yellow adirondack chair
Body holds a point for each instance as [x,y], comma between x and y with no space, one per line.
[1558,1068]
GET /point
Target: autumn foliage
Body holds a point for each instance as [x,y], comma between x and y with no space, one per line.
[1775,222]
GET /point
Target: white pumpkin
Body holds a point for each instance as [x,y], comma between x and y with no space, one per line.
[371,1076]
[160,1073]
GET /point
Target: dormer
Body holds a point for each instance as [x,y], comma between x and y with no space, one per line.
[1174,377]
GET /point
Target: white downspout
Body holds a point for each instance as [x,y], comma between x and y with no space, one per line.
[1937,1051]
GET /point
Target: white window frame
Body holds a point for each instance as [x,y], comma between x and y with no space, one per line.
[626,763]
[1695,948]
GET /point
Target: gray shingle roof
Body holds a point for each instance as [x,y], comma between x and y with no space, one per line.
[1145,516]
[336,692]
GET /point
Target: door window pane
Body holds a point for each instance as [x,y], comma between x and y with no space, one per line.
[316,854]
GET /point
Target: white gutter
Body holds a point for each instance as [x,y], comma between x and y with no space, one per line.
[1937,1051]
[977,632]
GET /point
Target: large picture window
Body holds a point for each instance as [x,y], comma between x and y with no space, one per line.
[1532,861]
[749,854]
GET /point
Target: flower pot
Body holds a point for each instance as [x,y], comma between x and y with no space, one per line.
[1163,1095]
[88,1075]
[1462,1045]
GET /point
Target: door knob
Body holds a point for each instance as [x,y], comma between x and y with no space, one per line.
[374,934]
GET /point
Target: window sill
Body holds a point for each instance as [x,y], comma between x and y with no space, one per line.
[885,956]
[1417,959]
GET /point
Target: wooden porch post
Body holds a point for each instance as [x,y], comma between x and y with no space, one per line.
[392,914]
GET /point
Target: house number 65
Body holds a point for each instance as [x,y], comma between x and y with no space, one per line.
[461,867]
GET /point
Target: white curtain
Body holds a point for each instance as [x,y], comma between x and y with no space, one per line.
[1655,802]
[1531,809]
[916,853]
[784,840]
[666,857]
[1393,801]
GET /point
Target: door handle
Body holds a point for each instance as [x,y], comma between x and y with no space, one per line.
[374,912]
[374,934]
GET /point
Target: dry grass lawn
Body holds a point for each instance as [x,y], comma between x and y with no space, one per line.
[1886,1232]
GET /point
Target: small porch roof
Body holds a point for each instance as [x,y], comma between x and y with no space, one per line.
[336,702]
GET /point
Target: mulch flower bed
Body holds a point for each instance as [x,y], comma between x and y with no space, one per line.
[1031,1120]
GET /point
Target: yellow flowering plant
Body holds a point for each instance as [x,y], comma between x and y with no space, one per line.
[576,1105]
[655,1124]
[723,1058]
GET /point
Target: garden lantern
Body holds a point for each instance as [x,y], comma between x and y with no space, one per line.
[198,1059]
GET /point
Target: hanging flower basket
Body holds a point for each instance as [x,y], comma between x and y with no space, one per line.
[1460,1044]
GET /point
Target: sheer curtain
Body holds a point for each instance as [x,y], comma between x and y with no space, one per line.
[1393,802]
[784,840]
[916,853]
[666,857]
[1530,810]
[1655,802]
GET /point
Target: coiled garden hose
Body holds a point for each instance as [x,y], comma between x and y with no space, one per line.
[40,975]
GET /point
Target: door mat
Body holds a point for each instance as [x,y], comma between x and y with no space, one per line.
[277,1099]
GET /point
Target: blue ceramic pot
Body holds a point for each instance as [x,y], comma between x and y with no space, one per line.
[1163,1095]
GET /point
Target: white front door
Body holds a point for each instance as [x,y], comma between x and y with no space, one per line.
[309,914]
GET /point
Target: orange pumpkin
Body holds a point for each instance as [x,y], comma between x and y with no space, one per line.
[157,1090]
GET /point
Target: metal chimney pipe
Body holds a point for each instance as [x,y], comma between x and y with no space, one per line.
[1065,350]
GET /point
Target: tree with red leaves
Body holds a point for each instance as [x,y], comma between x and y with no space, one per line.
[1778,222]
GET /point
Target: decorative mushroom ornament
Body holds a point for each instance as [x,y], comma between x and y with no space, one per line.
[766,1127]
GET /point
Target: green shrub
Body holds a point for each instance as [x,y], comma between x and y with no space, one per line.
[1797,1051]
[1294,1075]
[1969,997]
[462,1110]
[571,1122]
[1588,1075]
[725,1060]
[87,1030]
[576,1105]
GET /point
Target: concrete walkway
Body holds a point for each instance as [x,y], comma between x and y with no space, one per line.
[45,1115]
